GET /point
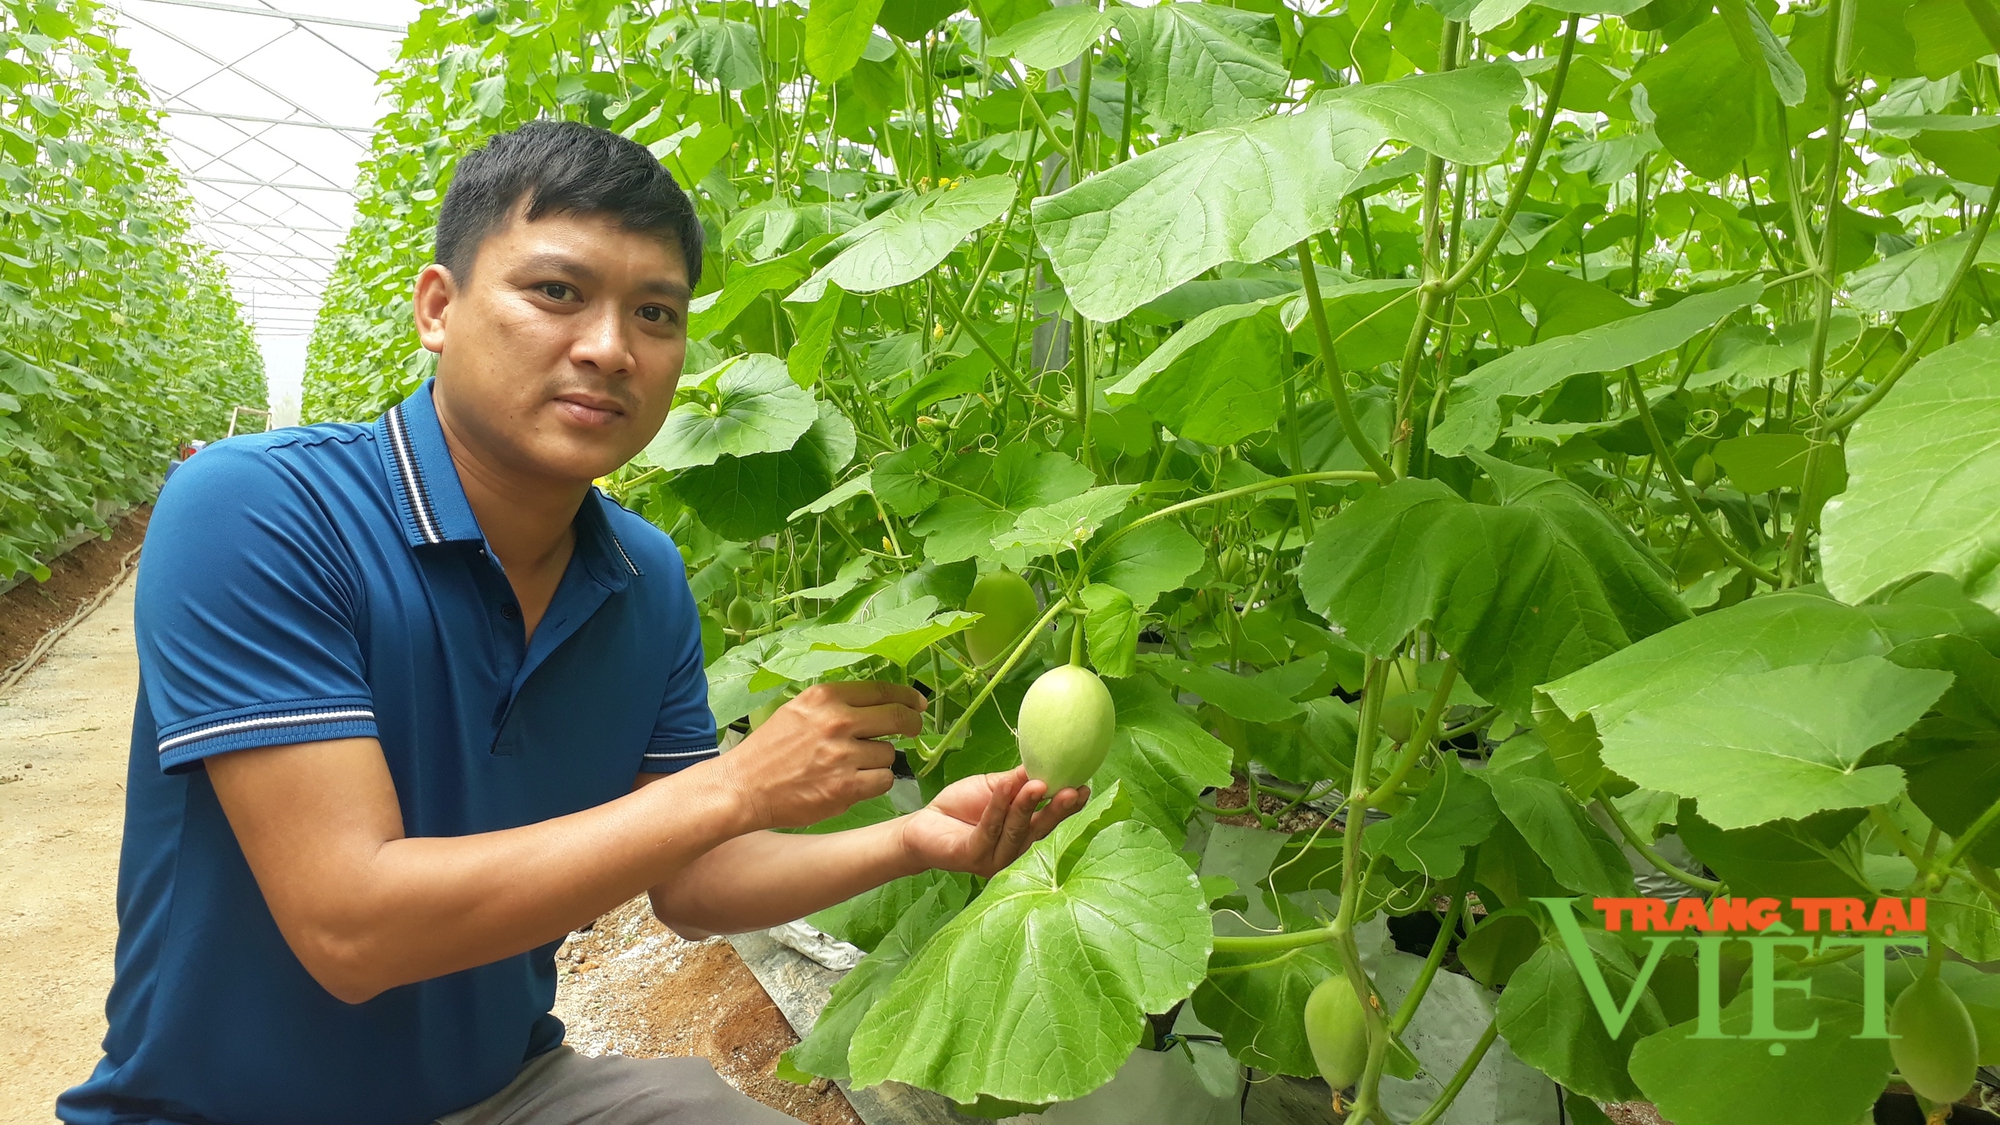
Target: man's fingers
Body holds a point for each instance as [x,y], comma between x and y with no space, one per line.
[871,755]
[1065,803]
[876,782]
[885,719]
[1015,838]
[872,693]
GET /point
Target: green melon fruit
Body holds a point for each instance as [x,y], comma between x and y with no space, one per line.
[1400,715]
[1401,678]
[1067,719]
[1704,471]
[1937,1049]
[1007,607]
[742,615]
[1337,1032]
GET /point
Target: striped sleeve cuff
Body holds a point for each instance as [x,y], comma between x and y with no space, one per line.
[671,759]
[185,743]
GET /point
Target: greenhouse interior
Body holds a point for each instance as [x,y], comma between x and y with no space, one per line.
[1167,562]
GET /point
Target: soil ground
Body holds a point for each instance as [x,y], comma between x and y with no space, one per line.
[32,608]
[629,985]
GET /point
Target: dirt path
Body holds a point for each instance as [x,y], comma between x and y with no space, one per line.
[63,738]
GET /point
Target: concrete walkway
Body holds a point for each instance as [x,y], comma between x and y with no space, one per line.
[64,732]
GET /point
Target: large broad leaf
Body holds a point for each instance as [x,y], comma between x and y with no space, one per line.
[1529,790]
[1368,320]
[1052,39]
[742,498]
[1915,277]
[896,635]
[1923,470]
[725,51]
[1460,115]
[752,406]
[1063,525]
[1160,757]
[713,312]
[1217,379]
[1521,593]
[836,34]
[1704,94]
[1752,748]
[1774,631]
[1130,233]
[1202,65]
[1831,1076]
[1147,562]
[1548,1018]
[1039,990]
[824,1050]
[1473,415]
[1242,194]
[908,241]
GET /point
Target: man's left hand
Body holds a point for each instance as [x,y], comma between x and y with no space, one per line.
[982,823]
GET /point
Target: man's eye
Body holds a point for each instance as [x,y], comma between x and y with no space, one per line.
[656,314]
[556,291]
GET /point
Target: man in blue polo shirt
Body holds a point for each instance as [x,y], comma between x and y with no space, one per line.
[416,701]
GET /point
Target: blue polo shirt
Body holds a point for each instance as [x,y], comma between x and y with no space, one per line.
[331,582]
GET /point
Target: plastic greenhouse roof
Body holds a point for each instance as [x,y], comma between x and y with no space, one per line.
[268,108]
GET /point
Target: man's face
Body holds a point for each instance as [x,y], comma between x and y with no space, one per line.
[558,356]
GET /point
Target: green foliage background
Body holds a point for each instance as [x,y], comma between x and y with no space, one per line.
[1563,428]
[118,336]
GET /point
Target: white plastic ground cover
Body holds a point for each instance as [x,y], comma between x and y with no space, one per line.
[809,941]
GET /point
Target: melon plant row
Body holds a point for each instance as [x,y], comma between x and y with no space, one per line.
[1538,450]
[118,337]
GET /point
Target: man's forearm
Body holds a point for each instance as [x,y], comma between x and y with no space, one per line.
[366,908]
[768,878]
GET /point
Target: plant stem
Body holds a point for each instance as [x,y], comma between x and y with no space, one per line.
[1420,739]
[1519,193]
[1452,1089]
[1279,943]
[1673,473]
[1407,1010]
[1931,322]
[1342,405]
[1645,848]
[1027,641]
[1218,497]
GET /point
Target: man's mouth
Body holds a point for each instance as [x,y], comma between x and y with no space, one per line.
[590,410]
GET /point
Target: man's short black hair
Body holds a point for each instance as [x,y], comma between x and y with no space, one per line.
[562,167]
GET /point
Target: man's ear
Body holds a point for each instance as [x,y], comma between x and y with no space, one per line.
[435,292]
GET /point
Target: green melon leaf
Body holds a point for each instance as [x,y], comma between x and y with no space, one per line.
[1473,413]
[1787,743]
[1521,593]
[1202,65]
[979,1011]
[836,34]
[751,406]
[909,240]
[1922,473]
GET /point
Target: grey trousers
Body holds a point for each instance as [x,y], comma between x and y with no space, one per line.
[566,1088]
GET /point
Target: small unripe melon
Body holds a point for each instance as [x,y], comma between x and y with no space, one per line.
[1067,719]
[1006,605]
[1337,1032]
[1937,1048]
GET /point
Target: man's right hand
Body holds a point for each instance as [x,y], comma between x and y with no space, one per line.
[820,753]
